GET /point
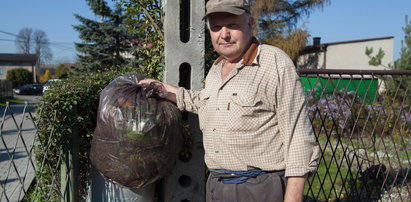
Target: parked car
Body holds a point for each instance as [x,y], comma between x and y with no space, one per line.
[29,89]
[48,84]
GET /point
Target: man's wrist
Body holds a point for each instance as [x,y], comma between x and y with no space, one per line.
[295,188]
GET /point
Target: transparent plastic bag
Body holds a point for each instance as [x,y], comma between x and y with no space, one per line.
[138,134]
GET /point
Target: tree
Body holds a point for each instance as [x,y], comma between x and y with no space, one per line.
[105,43]
[37,42]
[404,62]
[42,46]
[19,76]
[145,17]
[398,86]
[61,71]
[376,60]
[276,20]
[45,77]
[402,92]
[23,40]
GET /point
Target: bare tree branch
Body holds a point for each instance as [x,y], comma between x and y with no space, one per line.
[23,40]
[41,46]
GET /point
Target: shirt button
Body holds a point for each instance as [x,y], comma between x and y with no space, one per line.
[216,151]
[214,129]
[218,108]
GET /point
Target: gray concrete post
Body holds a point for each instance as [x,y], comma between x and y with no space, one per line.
[184,59]
[102,190]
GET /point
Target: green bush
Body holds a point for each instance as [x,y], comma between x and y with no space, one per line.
[19,77]
[68,105]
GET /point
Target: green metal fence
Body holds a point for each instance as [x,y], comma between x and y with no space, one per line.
[362,120]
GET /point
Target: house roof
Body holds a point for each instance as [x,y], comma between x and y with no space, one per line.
[358,41]
[18,58]
[323,46]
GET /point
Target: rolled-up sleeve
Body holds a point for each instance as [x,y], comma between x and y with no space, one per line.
[188,100]
[302,151]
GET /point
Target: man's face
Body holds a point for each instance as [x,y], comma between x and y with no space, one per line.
[230,34]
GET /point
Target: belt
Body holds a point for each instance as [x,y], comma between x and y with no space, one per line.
[238,177]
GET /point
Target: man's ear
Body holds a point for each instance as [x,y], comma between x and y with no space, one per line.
[251,22]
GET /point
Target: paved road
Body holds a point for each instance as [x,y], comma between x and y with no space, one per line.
[17,135]
[18,108]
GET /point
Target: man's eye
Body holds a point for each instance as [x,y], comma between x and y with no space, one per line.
[215,28]
[233,26]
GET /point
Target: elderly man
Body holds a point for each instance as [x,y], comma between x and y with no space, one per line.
[258,140]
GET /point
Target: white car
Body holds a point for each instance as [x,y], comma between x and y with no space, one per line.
[47,85]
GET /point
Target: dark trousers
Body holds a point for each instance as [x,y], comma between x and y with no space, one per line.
[267,187]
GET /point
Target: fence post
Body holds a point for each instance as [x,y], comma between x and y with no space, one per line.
[69,166]
[184,32]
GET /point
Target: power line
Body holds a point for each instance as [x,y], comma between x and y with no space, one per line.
[8,33]
[59,47]
[64,48]
[55,43]
[62,43]
[7,40]
[51,44]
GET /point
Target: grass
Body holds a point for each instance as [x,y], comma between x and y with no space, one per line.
[330,183]
[10,100]
[385,149]
[335,182]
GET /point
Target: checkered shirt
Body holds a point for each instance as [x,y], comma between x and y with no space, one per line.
[256,117]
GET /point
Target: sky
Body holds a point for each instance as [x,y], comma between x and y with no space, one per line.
[55,17]
[345,20]
[341,20]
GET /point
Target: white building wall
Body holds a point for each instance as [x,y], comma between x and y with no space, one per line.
[311,61]
[352,55]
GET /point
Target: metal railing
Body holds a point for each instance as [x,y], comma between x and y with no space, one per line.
[362,120]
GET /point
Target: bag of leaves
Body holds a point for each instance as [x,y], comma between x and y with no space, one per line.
[138,134]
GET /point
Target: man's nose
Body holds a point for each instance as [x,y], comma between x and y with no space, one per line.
[225,33]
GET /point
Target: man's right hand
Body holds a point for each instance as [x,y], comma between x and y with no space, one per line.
[169,90]
[147,81]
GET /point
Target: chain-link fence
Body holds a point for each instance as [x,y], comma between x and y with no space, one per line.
[22,172]
[17,167]
[362,120]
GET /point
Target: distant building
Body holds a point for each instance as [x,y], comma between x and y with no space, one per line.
[14,61]
[345,54]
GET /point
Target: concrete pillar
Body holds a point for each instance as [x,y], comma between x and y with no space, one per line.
[102,190]
[184,59]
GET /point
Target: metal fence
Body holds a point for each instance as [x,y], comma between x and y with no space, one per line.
[362,120]
[17,166]
[22,173]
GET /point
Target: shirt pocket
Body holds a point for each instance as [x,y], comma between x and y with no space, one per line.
[202,109]
[244,113]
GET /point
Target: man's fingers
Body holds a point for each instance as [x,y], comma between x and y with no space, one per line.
[146,81]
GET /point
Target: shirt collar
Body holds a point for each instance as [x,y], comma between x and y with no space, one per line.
[249,56]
